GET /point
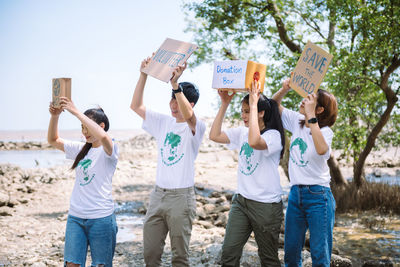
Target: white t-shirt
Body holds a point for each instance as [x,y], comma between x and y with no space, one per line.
[177,149]
[258,176]
[306,167]
[92,194]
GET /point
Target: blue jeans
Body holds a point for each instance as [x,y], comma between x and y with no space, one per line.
[100,234]
[312,207]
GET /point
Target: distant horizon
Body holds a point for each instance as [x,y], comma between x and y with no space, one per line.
[72,134]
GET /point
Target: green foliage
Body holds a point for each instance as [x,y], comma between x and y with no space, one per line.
[363,36]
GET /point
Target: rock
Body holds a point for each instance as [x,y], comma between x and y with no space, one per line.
[377,173]
[209,208]
[222,208]
[205,224]
[377,263]
[337,261]
[222,220]
[5,211]
[201,214]
[215,194]
[3,199]
[142,209]
[228,195]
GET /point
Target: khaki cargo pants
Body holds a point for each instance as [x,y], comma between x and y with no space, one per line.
[246,216]
[173,211]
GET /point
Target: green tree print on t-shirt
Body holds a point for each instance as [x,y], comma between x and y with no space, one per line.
[247,153]
[169,152]
[302,148]
[84,165]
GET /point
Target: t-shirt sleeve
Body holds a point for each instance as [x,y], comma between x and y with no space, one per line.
[289,119]
[234,137]
[153,123]
[273,140]
[115,152]
[200,130]
[328,135]
[72,149]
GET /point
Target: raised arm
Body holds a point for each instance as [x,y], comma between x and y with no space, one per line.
[137,98]
[255,139]
[320,144]
[278,96]
[215,133]
[185,107]
[95,129]
[52,133]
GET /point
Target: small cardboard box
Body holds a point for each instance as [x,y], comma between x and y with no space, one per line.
[171,54]
[310,69]
[61,87]
[237,75]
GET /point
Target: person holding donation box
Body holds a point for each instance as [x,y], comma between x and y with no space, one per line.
[91,219]
[172,205]
[311,204]
[257,205]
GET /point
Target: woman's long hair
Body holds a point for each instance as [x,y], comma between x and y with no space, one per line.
[97,115]
[271,118]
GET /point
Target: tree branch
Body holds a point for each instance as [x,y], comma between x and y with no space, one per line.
[280,25]
[315,27]
[368,79]
[331,33]
[385,77]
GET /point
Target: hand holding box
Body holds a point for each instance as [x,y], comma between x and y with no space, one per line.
[237,75]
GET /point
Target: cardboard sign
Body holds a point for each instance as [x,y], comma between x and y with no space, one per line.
[61,87]
[310,69]
[171,54]
[237,75]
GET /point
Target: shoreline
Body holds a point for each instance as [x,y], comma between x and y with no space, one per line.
[26,136]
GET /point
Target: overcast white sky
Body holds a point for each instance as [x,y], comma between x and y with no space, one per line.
[99,44]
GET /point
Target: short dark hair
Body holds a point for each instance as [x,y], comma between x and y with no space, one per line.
[190,91]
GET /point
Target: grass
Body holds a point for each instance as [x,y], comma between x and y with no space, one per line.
[381,197]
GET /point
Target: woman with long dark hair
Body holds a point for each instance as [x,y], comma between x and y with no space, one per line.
[257,205]
[91,219]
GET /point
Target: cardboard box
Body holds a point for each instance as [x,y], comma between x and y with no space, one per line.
[237,75]
[310,69]
[61,87]
[171,54]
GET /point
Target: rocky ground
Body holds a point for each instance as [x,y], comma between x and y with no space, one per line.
[34,205]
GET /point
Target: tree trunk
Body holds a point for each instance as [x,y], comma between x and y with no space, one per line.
[359,165]
[335,172]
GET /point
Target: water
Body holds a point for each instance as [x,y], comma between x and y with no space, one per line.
[384,179]
[367,236]
[33,158]
[129,221]
[387,179]
[128,227]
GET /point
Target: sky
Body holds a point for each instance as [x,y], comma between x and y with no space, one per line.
[99,45]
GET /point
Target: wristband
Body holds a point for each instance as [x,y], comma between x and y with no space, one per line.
[178,90]
[313,120]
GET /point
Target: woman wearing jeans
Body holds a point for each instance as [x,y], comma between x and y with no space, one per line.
[311,203]
[91,219]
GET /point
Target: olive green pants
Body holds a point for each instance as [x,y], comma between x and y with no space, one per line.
[246,216]
[173,211]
